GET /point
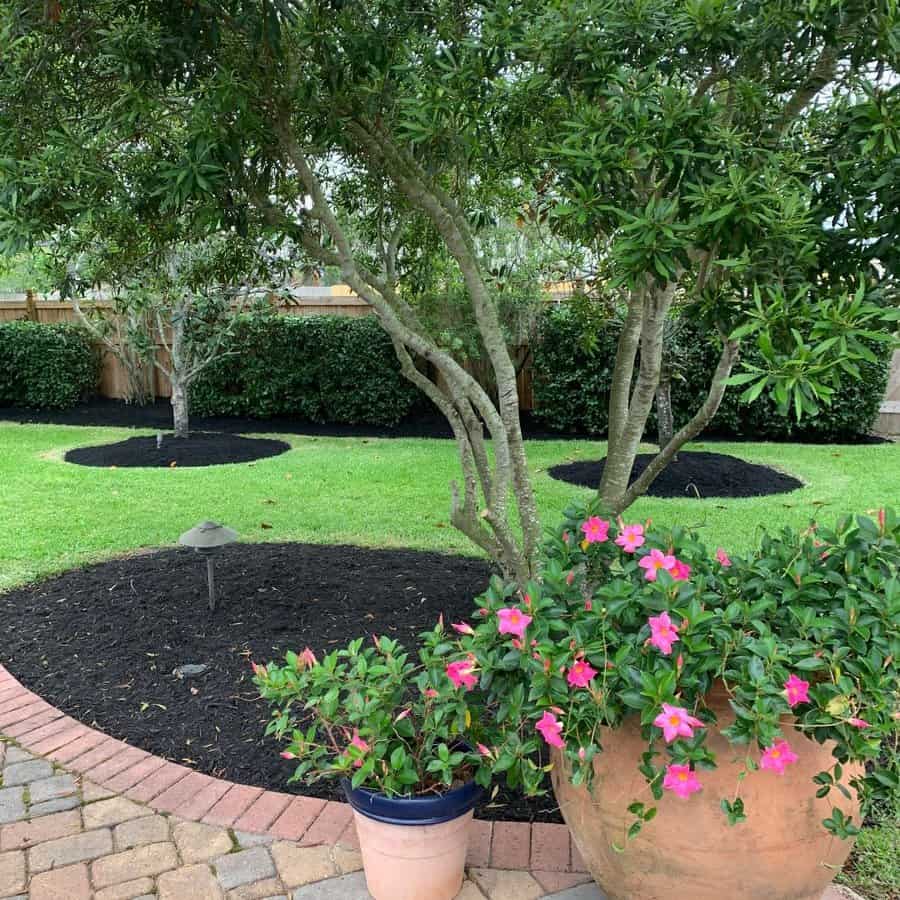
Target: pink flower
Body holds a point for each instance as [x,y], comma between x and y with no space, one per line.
[631,537]
[859,723]
[513,621]
[484,751]
[662,633]
[797,690]
[288,755]
[551,729]
[588,605]
[307,659]
[431,693]
[676,722]
[460,673]
[582,753]
[580,674]
[654,561]
[680,571]
[463,628]
[778,756]
[360,745]
[402,715]
[681,780]
[596,530]
[723,558]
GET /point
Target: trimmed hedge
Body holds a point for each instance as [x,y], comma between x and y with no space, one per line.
[46,366]
[571,388]
[316,368]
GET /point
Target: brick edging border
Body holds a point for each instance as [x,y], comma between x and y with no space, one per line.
[164,786]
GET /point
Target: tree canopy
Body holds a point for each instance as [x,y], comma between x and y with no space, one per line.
[733,159]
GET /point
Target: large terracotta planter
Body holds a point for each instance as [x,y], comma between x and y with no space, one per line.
[414,849]
[689,852]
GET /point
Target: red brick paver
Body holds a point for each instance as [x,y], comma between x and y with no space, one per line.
[511,845]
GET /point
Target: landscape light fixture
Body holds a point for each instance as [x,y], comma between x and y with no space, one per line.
[208,538]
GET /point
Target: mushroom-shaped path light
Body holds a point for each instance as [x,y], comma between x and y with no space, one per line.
[209,538]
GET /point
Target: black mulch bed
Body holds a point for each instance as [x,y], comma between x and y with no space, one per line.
[103,412]
[198,449]
[422,422]
[695,474]
[102,643]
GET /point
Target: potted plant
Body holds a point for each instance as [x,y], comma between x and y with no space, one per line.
[713,690]
[394,736]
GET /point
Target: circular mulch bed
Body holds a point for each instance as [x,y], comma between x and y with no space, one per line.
[198,449]
[102,644]
[696,474]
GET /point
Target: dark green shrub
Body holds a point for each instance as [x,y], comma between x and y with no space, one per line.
[571,386]
[46,366]
[571,382]
[316,368]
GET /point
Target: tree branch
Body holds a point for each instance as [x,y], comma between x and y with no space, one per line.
[700,420]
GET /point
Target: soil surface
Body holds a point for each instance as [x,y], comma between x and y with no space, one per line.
[102,644]
[696,474]
[422,422]
[198,449]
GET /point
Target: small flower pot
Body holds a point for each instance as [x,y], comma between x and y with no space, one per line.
[689,851]
[414,848]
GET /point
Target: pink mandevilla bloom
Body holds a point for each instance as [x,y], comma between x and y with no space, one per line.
[307,658]
[778,756]
[596,530]
[681,571]
[662,633]
[512,621]
[631,537]
[580,674]
[723,558]
[681,781]
[859,723]
[551,729]
[484,751]
[676,722]
[360,745]
[797,690]
[460,673]
[288,755]
[463,628]
[654,561]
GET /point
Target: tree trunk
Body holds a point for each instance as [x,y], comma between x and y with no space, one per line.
[179,407]
[665,421]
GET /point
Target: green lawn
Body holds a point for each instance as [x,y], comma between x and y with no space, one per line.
[381,493]
[377,492]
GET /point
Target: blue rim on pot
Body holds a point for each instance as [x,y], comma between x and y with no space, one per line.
[420,810]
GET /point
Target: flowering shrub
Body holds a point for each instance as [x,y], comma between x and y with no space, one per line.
[630,620]
[371,715]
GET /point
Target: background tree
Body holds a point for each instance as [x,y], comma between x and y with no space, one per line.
[674,142]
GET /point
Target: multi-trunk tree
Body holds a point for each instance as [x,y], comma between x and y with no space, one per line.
[685,146]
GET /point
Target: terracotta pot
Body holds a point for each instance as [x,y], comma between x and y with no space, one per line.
[414,849]
[689,851]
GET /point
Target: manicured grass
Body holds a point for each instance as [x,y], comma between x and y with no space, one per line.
[873,869]
[376,492]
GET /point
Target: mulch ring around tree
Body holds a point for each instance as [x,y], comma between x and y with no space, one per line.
[198,449]
[106,644]
[696,474]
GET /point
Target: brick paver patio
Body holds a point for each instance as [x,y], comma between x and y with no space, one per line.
[85,816]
